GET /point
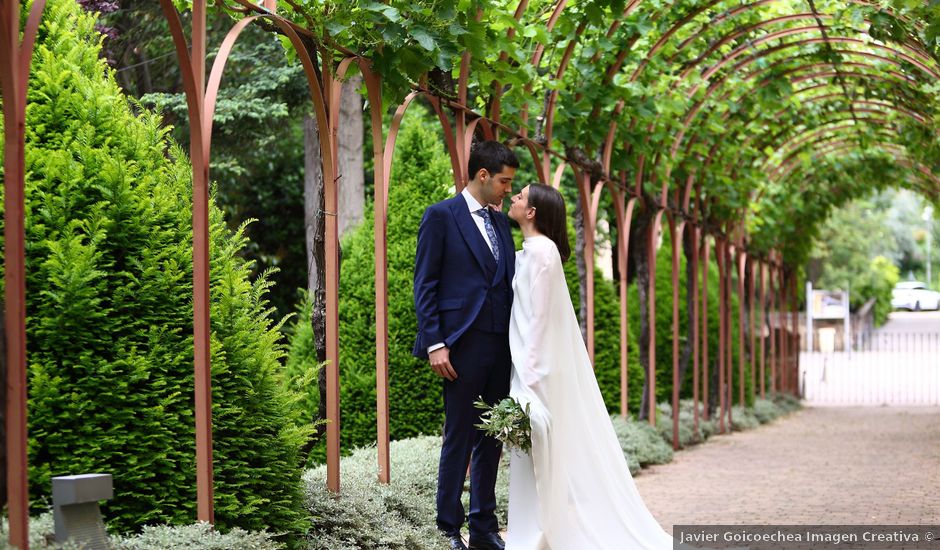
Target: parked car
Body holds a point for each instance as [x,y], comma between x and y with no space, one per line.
[914,296]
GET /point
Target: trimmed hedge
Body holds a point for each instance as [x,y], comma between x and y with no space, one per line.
[109,302]
[421,175]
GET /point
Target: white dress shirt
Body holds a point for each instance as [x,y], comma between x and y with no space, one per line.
[473,205]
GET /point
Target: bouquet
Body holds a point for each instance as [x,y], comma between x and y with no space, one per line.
[507,422]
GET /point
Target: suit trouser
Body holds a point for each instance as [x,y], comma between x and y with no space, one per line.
[483,364]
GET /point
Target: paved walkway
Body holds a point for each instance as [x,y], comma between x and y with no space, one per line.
[831,466]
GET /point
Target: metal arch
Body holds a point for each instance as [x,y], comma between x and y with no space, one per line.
[16,56]
[676,232]
[693,112]
[792,157]
[739,51]
[682,45]
[586,199]
[192,65]
[623,209]
[861,108]
[193,70]
[764,53]
[381,177]
[703,252]
[889,106]
[752,59]
[536,157]
[748,7]
[783,172]
[654,228]
[613,126]
[383,150]
[831,146]
[797,141]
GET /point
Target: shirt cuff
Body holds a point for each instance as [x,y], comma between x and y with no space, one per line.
[435,347]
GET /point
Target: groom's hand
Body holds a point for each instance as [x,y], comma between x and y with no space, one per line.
[440,362]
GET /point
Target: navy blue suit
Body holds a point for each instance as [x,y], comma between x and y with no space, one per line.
[463,298]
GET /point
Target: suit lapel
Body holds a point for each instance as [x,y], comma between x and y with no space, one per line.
[470,232]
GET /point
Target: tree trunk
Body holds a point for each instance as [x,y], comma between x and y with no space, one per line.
[579,244]
[350,157]
[315,233]
[639,230]
[685,347]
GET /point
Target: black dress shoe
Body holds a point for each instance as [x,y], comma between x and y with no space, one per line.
[455,542]
[489,541]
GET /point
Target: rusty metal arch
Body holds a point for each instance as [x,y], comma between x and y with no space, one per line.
[858,105]
[726,116]
[763,53]
[459,136]
[698,106]
[740,9]
[740,50]
[198,99]
[16,56]
[792,158]
[832,143]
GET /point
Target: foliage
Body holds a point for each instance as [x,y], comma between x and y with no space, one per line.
[421,175]
[658,79]
[368,514]
[641,443]
[110,312]
[198,536]
[257,152]
[743,419]
[508,422]
[301,370]
[878,282]
[848,256]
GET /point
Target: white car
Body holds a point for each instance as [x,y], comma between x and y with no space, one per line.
[914,296]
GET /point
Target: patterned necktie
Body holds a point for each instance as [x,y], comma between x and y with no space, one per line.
[490,232]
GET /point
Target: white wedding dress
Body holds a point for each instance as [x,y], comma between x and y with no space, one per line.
[574,491]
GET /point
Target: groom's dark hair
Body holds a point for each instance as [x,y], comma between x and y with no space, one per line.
[550,216]
[491,155]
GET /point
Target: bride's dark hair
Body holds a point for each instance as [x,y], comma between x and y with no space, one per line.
[550,216]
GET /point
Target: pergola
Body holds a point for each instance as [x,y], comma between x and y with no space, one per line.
[710,162]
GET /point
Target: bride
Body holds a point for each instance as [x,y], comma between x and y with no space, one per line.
[574,491]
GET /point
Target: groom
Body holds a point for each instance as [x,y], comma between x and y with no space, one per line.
[463,275]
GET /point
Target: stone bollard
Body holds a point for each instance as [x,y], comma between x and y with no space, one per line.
[75,509]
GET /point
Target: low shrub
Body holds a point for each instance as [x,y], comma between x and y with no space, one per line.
[199,536]
[688,435]
[641,443]
[786,402]
[743,419]
[41,534]
[765,410]
[368,514]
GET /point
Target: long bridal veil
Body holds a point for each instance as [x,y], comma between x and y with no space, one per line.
[575,490]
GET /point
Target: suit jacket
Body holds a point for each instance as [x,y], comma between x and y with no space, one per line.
[451,281]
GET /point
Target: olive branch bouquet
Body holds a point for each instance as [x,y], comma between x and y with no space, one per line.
[508,422]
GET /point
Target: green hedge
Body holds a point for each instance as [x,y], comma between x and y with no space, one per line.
[414,390]
[421,175]
[109,304]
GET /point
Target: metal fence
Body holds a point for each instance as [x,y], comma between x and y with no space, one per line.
[885,368]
